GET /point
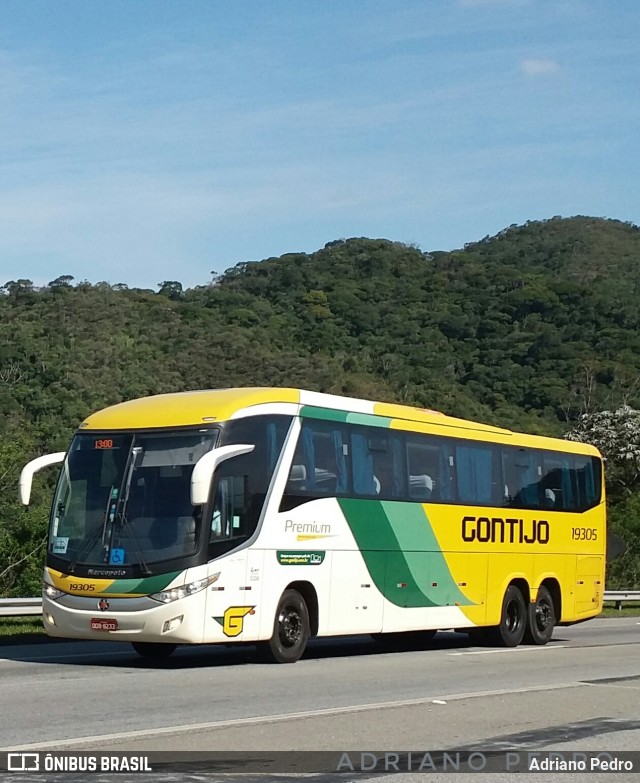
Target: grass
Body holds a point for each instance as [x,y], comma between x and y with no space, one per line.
[629,609]
[17,626]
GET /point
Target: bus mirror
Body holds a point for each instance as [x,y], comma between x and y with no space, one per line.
[205,467]
[31,468]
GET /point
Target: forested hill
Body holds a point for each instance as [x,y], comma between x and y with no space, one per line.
[524,329]
[516,329]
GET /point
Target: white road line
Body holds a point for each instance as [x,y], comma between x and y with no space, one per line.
[101,739]
[503,650]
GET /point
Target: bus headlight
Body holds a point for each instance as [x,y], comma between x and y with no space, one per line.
[51,592]
[175,593]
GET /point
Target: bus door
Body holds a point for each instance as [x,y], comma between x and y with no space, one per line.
[233,599]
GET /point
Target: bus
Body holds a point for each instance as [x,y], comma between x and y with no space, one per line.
[272,515]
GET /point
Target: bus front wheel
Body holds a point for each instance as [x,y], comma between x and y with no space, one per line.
[155,650]
[513,620]
[291,629]
[541,618]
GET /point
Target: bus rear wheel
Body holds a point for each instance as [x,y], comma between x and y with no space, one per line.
[154,650]
[541,618]
[513,620]
[291,629]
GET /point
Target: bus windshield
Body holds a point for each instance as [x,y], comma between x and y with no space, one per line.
[124,499]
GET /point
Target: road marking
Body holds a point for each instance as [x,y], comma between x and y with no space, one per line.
[100,740]
[503,650]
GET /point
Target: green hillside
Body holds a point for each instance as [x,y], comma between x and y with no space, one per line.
[525,329]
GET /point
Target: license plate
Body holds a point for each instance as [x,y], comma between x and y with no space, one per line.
[103,624]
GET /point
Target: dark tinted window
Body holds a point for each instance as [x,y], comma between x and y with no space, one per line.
[242,482]
[343,460]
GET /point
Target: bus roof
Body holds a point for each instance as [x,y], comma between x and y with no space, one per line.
[193,408]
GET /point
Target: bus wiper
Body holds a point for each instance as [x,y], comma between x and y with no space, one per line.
[99,530]
[104,528]
[122,519]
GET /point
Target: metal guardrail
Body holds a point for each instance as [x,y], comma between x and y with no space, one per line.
[23,607]
[20,607]
[620,596]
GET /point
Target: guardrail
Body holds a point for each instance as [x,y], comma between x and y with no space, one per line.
[23,607]
[20,607]
[620,596]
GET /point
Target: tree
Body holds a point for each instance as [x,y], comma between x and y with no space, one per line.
[23,531]
[172,289]
[617,435]
[64,281]
[18,289]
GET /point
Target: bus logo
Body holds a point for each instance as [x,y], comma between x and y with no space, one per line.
[233,620]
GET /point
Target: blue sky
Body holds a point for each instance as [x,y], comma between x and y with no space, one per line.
[150,140]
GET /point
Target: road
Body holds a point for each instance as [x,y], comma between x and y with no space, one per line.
[580,691]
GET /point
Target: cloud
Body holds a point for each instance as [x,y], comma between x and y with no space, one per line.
[539,67]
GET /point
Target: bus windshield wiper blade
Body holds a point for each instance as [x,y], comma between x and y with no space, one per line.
[98,531]
[122,519]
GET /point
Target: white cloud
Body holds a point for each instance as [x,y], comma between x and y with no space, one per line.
[539,67]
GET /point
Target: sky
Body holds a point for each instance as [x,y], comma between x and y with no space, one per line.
[152,140]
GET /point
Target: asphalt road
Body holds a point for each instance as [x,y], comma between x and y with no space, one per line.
[581,691]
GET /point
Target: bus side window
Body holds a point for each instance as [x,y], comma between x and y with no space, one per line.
[423,465]
[365,482]
[242,482]
[386,476]
[475,474]
[556,482]
[320,464]
[521,474]
[229,515]
[586,482]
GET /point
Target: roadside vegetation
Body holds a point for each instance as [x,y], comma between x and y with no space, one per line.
[630,609]
[19,626]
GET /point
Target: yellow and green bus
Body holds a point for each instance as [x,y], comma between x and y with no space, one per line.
[270,516]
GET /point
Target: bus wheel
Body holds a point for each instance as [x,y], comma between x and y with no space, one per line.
[513,621]
[541,618]
[155,650]
[290,629]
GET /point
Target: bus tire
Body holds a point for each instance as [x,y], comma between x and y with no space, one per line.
[291,629]
[156,650]
[541,618]
[513,620]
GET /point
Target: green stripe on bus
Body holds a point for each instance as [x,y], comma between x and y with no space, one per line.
[368,420]
[146,586]
[414,572]
[329,414]
[326,414]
